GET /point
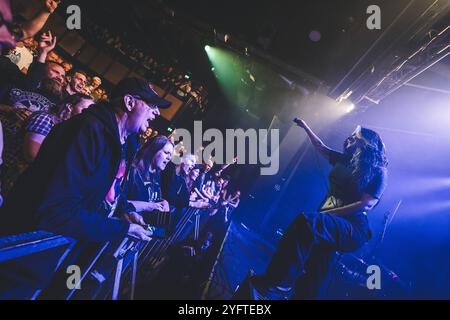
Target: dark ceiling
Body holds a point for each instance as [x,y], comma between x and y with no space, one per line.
[347,54]
[278,28]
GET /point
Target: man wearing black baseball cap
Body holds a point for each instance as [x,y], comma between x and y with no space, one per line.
[141,88]
[81,161]
[78,173]
[136,103]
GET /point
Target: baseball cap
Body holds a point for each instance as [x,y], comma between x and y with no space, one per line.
[141,88]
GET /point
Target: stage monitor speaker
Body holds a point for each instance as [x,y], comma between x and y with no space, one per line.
[241,250]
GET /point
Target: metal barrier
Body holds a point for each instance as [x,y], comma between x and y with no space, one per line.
[123,260]
[16,246]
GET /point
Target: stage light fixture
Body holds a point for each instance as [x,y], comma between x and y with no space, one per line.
[350,108]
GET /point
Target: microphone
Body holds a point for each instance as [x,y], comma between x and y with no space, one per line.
[297,121]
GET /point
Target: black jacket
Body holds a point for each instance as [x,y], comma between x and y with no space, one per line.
[63,189]
[139,190]
[174,188]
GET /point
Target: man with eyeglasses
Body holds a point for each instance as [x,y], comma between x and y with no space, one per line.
[80,167]
[81,164]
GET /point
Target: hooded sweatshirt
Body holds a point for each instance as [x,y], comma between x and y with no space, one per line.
[62,191]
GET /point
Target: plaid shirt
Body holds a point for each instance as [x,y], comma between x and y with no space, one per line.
[41,122]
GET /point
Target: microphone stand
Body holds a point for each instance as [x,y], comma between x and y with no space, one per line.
[386,223]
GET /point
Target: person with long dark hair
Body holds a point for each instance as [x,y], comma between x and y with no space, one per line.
[301,264]
[143,186]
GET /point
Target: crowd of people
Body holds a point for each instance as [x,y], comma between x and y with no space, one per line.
[166,75]
[78,165]
[77,81]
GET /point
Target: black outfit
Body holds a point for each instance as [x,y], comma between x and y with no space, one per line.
[306,250]
[139,189]
[63,192]
[174,187]
[18,88]
[177,192]
[63,189]
[20,91]
[143,189]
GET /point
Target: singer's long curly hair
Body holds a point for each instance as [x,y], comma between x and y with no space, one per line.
[368,158]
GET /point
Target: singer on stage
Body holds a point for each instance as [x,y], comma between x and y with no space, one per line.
[301,264]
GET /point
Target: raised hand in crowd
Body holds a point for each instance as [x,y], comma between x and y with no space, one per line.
[51,5]
[46,44]
[226,165]
[31,27]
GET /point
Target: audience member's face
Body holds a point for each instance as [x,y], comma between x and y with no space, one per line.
[140,114]
[6,39]
[30,43]
[162,157]
[208,166]
[55,79]
[224,183]
[67,66]
[52,56]
[96,83]
[194,173]
[78,82]
[80,106]
[188,164]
